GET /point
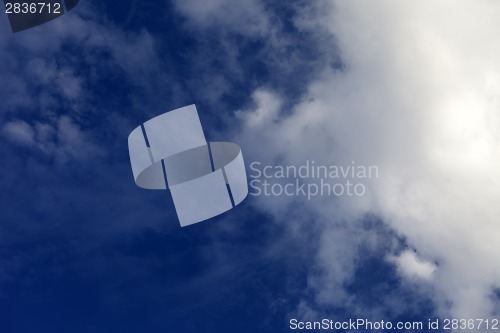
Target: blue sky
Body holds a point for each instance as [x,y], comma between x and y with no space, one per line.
[83,249]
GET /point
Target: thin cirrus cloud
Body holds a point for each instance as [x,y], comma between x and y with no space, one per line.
[62,139]
[247,17]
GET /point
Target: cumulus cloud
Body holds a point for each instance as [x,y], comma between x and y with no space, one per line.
[410,265]
[266,111]
[418,96]
[253,45]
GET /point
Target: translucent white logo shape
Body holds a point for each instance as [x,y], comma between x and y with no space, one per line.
[205,179]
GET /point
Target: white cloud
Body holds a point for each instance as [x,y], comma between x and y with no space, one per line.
[61,139]
[43,76]
[72,142]
[266,111]
[411,266]
[19,132]
[62,81]
[50,87]
[247,17]
[418,97]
